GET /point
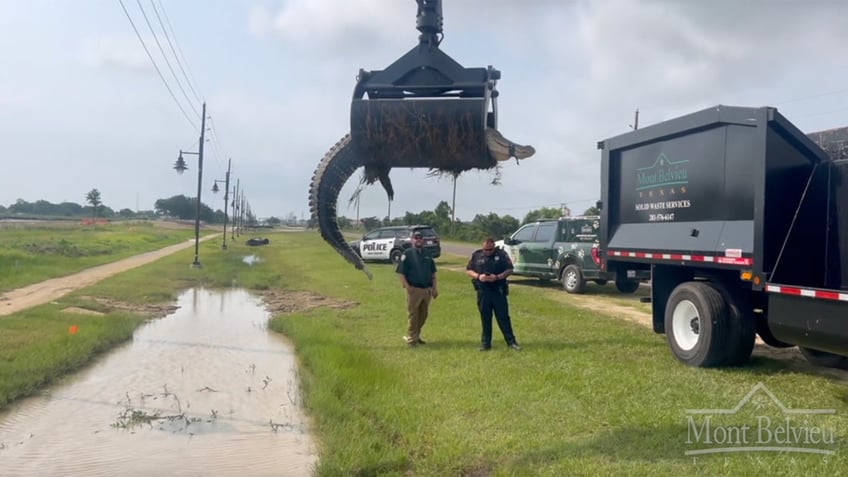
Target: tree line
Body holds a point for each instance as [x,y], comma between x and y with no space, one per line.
[481,226]
[176,207]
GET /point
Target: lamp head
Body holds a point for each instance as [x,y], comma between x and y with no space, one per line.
[180,165]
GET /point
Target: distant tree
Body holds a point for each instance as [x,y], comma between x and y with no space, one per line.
[594,210]
[543,213]
[344,222]
[183,207]
[273,221]
[93,198]
[126,213]
[494,226]
[370,223]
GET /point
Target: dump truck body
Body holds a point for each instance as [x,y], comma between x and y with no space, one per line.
[736,210]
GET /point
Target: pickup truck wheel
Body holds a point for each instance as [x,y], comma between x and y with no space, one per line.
[601,282]
[627,286]
[697,324]
[395,255]
[824,359]
[572,279]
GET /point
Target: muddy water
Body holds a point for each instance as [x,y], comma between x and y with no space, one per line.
[206,391]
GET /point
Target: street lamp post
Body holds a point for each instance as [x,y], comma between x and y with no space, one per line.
[180,167]
[226,197]
[235,209]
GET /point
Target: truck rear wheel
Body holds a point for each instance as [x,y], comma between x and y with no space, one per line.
[627,286]
[741,332]
[572,279]
[825,359]
[696,324]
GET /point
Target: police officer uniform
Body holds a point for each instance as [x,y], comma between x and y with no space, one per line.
[492,296]
[419,271]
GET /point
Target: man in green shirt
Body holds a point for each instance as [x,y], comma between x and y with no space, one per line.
[417,272]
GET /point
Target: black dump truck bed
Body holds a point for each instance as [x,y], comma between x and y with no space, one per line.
[730,187]
[742,220]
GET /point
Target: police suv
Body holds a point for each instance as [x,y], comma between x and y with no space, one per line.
[388,243]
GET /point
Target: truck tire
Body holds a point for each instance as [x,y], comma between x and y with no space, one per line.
[572,279]
[395,255]
[627,286]
[824,359]
[697,324]
[742,329]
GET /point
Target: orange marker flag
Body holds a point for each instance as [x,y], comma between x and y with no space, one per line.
[73,329]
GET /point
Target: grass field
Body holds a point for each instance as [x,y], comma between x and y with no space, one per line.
[590,394]
[35,253]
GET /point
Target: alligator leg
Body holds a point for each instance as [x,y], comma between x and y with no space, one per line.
[333,171]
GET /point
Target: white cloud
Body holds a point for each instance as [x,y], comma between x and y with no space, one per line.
[335,25]
[123,53]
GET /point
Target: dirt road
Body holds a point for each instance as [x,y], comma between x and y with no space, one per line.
[48,290]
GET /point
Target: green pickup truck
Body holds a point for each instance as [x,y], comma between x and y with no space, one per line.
[564,249]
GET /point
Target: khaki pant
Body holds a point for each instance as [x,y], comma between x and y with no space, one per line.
[417,305]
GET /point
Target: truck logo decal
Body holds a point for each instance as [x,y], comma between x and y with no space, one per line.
[664,185]
[664,174]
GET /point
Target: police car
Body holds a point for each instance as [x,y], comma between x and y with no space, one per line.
[388,243]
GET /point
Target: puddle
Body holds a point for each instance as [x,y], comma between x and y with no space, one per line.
[207,390]
[250,259]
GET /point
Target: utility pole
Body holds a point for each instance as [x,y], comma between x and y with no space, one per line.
[196,263]
[226,196]
[235,208]
[453,204]
[180,167]
[635,124]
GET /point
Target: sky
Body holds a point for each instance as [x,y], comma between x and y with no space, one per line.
[82,106]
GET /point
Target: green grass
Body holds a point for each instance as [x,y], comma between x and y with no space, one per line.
[590,394]
[36,253]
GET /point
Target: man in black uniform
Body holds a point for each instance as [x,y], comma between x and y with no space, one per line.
[417,273]
[488,269]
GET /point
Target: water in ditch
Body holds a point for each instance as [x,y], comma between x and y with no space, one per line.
[205,391]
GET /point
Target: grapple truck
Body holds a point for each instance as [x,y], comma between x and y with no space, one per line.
[742,220]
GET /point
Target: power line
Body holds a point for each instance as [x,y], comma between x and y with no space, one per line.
[813,96]
[187,66]
[215,136]
[167,62]
[162,77]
